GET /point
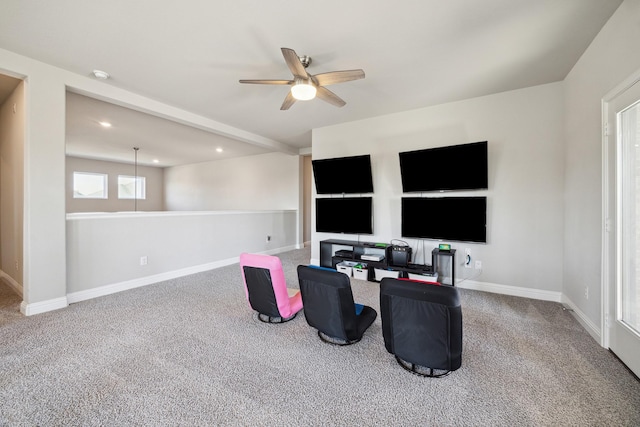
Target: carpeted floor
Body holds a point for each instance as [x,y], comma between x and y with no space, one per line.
[190,352]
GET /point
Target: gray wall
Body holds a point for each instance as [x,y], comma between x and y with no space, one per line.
[307,198]
[104,250]
[608,61]
[154,178]
[526,169]
[12,140]
[261,182]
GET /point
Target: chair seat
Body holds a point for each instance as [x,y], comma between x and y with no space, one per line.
[422,325]
[266,289]
[329,306]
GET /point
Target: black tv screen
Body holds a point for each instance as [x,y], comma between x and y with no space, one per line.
[455,167]
[344,175]
[462,219]
[350,215]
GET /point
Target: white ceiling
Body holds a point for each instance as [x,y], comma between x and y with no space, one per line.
[168,142]
[191,55]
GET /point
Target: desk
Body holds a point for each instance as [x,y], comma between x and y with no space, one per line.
[351,250]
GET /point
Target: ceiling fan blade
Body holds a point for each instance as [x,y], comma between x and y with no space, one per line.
[334,77]
[288,101]
[293,62]
[268,82]
[328,96]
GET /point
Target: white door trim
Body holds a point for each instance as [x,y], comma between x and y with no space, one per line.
[607,192]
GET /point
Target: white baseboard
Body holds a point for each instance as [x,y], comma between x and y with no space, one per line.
[280,250]
[43,306]
[582,318]
[149,280]
[35,307]
[11,282]
[495,288]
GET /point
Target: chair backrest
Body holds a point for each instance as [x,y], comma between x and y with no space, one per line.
[422,322]
[328,302]
[265,285]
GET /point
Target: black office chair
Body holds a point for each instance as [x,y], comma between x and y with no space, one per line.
[422,325]
[329,306]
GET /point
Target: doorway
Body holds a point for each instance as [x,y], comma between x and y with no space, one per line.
[621,302]
[12,137]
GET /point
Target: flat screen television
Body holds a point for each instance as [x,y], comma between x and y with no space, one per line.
[462,219]
[343,175]
[349,215]
[455,167]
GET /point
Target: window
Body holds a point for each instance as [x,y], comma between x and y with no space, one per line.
[127,184]
[89,185]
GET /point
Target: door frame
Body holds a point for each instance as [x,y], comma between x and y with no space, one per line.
[609,192]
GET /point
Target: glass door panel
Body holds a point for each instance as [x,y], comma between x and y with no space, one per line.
[628,304]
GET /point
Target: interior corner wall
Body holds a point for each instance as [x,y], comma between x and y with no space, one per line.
[44,259]
[610,59]
[524,130]
[261,182]
[12,136]
[154,187]
[307,192]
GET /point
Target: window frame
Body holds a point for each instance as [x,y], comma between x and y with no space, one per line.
[105,189]
[138,195]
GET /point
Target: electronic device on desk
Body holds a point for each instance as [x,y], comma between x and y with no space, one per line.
[344,253]
[372,257]
[399,254]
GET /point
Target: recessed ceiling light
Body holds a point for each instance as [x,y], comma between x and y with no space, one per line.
[102,75]
[105,124]
[219,150]
[156,161]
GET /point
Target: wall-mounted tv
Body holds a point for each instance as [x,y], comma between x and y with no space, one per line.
[455,167]
[462,219]
[343,175]
[349,215]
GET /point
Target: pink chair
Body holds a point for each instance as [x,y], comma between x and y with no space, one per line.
[266,289]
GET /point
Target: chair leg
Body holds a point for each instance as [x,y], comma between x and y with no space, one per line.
[335,341]
[274,319]
[418,369]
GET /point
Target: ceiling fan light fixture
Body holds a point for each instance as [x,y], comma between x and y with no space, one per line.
[303,91]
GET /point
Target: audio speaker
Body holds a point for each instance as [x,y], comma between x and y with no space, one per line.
[400,256]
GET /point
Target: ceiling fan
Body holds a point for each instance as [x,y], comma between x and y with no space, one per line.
[305,86]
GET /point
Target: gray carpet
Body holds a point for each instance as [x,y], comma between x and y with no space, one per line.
[190,352]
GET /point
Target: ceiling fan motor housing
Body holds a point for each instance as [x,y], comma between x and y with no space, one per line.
[305,60]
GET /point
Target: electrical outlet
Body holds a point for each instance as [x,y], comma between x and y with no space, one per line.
[268,238]
[17,265]
[478,265]
[586,292]
[143,260]
[467,258]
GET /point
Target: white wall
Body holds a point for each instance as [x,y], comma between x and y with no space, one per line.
[104,250]
[524,130]
[44,279]
[265,181]
[44,210]
[307,197]
[608,61]
[12,138]
[154,183]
